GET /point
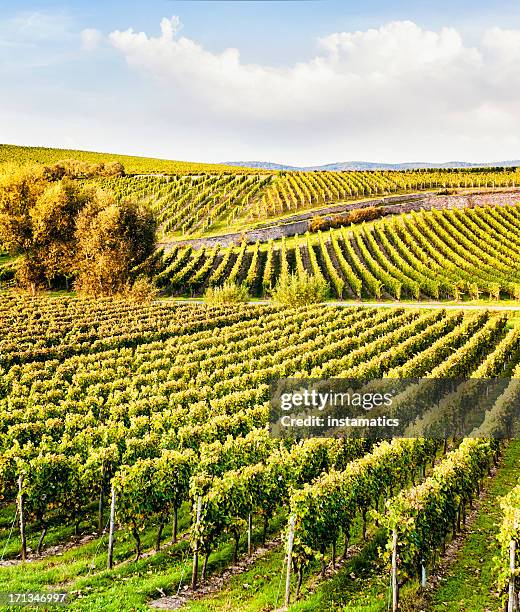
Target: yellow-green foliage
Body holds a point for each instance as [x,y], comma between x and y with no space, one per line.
[229,293]
[300,289]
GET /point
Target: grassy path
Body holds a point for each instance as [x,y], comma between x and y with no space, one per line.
[470,584]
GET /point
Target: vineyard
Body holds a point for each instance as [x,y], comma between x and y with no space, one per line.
[141,432]
[197,203]
[139,465]
[194,199]
[449,254]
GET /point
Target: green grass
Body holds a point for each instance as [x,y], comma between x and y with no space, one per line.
[129,586]
[262,586]
[360,586]
[241,224]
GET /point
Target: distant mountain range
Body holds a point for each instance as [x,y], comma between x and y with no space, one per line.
[361,165]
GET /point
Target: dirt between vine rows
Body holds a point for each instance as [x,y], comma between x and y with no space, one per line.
[215,582]
[57,550]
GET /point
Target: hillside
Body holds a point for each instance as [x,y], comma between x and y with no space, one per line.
[147,408]
[132,164]
[139,449]
[216,203]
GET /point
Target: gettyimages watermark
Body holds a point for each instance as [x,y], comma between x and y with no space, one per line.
[389,408]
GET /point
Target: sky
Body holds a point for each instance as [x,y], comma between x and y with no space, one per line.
[300,82]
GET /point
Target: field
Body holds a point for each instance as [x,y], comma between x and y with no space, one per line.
[138,468]
[194,199]
[169,404]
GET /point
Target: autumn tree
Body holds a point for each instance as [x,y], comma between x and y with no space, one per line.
[74,168]
[53,219]
[20,188]
[112,239]
[62,229]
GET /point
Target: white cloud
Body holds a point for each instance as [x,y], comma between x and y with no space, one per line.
[396,79]
[90,39]
[35,28]
[398,92]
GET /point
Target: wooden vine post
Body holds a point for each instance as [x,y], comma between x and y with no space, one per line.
[511,603]
[195,569]
[424,577]
[395,584]
[21,513]
[249,534]
[111,528]
[290,542]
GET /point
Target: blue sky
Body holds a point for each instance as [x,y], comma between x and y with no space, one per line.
[301,82]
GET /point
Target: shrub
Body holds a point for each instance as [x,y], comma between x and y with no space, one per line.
[300,289]
[358,215]
[228,293]
[142,291]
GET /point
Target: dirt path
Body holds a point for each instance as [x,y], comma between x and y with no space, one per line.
[51,551]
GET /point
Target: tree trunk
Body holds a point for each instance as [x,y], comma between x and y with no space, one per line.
[265,528]
[195,568]
[137,539]
[100,512]
[300,580]
[21,514]
[159,535]
[345,548]
[290,541]
[511,600]
[110,559]
[205,565]
[236,537]
[364,514]
[395,583]
[249,534]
